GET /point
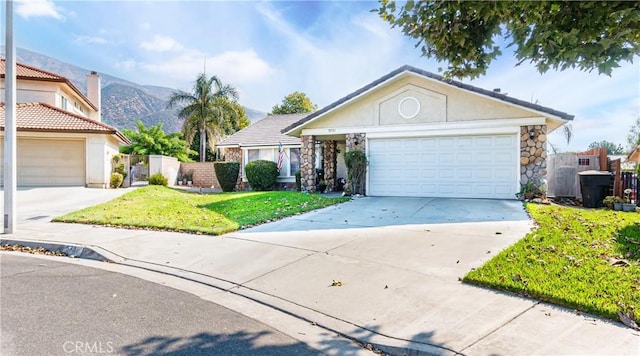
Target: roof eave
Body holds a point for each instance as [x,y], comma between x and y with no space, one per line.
[634,155]
[295,129]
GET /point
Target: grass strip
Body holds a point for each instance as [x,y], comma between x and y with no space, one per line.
[588,260]
[162,208]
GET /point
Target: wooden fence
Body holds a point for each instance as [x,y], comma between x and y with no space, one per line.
[631,181]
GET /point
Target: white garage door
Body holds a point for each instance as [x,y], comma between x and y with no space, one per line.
[43,162]
[460,166]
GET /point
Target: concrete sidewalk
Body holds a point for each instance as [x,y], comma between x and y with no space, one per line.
[401,290]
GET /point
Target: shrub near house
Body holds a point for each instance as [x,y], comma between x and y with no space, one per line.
[227,174]
[262,174]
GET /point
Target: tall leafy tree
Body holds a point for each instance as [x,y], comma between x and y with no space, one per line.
[294,103]
[586,35]
[633,138]
[229,127]
[154,141]
[209,110]
[611,147]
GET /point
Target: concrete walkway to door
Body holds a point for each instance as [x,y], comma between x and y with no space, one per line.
[399,260]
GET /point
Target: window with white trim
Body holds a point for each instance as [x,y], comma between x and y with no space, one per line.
[294,161]
[261,153]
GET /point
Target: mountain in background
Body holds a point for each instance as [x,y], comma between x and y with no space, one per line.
[123,102]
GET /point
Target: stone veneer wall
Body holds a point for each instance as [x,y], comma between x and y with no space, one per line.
[329,161]
[533,154]
[351,141]
[308,164]
[234,154]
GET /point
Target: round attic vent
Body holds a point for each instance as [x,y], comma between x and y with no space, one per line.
[409,107]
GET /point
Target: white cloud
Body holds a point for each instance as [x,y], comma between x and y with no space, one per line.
[83,39]
[162,44]
[596,125]
[127,64]
[38,8]
[242,67]
[233,67]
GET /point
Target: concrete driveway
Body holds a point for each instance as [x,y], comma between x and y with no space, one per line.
[434,236]
[397,211]
[44,203]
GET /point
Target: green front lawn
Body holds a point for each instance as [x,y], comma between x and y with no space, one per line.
[162,208]
[588,260]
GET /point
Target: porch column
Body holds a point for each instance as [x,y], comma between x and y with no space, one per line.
[234,154]
[329,162]
[308,164]
[533,154]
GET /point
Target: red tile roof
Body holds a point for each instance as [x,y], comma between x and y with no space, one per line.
[46,118]
[26,72]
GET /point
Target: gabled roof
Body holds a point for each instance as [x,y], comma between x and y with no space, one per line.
[634,155]
[26,72]
[41,117]
[424,73]
[266,132]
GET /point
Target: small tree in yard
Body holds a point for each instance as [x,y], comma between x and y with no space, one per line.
[227,174]
[154,141]
[262,174]
[356,162]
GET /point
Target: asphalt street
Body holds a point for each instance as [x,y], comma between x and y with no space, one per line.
[55,308]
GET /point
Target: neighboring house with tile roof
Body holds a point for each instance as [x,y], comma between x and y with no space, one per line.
[634,155]
[263,140]
[431,137]
[61,139]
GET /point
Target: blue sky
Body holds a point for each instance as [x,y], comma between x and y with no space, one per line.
[270,49]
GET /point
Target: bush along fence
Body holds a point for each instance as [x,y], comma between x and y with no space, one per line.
[631,181]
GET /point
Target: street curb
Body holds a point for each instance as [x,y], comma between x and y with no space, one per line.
[387,345]
[71,250]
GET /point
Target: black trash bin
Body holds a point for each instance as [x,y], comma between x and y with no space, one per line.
[594,185]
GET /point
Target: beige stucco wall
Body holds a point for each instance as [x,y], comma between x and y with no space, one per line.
[99,150]
[29,91]
[167,166]
[439,103]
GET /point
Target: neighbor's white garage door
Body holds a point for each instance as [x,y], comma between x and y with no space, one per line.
[460,166]
[44,162]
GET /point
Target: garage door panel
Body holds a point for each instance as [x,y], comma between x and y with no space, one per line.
[464,174]
[47,162]
[505,189]
[465,166]
[504,141]
[482,189]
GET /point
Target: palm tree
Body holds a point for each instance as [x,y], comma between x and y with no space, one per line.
[208,110]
